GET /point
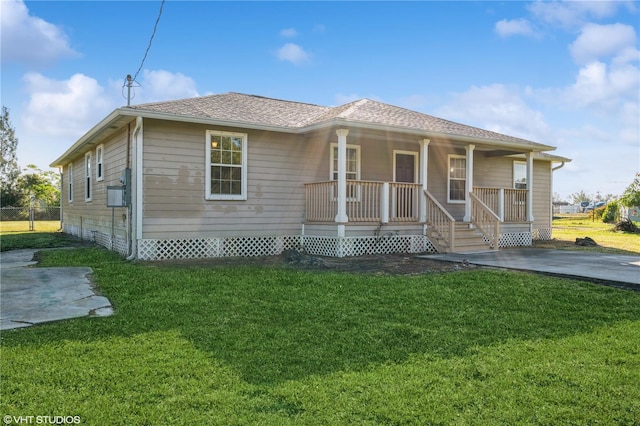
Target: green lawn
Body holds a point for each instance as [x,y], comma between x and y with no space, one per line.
[15,235]
[191,345]
[566,228]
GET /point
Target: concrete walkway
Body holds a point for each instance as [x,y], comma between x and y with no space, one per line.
[31,296]
[619,270]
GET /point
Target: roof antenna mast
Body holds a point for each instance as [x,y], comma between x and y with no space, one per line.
[129,83]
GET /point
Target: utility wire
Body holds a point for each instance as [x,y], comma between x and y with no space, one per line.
[150,40]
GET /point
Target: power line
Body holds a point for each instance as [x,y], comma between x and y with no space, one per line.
[129,81]
[155,27]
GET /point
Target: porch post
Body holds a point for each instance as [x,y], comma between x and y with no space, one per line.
[529,157]
[469,183]
[424,167]
[341,217]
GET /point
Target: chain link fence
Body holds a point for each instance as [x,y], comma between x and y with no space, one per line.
[25,218]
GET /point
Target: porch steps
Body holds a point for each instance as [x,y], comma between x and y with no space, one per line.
[468,240]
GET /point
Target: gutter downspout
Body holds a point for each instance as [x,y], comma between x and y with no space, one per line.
[553,169]
[61,171]
[135,206]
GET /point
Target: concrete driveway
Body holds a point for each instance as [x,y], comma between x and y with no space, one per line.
[619,270]
[31,296]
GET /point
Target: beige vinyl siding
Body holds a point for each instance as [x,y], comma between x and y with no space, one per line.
[174,184]
[492,172]
[542,194]
[437,174]
[94,215]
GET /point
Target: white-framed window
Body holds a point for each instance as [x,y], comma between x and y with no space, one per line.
[100,163]
[353,162]
[87,177]
[457,181]
[519,175]
[353,168]
[226,168]
[70,182]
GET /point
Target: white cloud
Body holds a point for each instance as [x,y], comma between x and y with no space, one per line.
[292,53]
[599,41]
[506,28]
[28,39]
[288,32]
[602,87]
[497,108]
[570,14]
[161,85]
[64,108]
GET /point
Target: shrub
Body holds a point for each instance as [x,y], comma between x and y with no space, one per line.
[611,212]
[626,225]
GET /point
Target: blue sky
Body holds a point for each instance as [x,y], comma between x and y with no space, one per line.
[564,74]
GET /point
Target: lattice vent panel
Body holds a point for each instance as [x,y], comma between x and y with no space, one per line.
[197,248]
[258,246]
[515,239]
[543,234]
[360,246]
[120,245]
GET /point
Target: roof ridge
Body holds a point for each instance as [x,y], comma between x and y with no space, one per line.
[351,107]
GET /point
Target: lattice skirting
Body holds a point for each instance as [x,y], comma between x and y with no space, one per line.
[512,239]
[360,246]
[543,234]
[197,248]
[115,243]
[515,239]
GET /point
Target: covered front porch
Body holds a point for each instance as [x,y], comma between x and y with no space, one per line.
[383,209]
[478,219]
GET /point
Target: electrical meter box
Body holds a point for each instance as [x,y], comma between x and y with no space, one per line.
[116,196]
[120,196]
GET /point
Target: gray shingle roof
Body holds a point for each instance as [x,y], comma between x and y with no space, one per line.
[268,112]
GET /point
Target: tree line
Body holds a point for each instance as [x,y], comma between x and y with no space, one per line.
[22,188]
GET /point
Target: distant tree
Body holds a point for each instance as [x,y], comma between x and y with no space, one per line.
[10,194]
[43,186]
[579,197]
[631,196]
[557,198]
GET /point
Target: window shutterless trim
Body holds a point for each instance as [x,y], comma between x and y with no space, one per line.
[100,163]
[449,179]
[226,165]
[88,182]
[515,175]
[70,182]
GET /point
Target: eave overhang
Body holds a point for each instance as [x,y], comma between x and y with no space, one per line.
[121,116]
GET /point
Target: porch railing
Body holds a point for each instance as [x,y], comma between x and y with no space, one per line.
[440,224]
[367,201]
[510,205]
[487,222]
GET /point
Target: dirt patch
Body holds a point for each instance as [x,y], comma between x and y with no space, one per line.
[389,264]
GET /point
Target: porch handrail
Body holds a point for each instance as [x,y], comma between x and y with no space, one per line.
[510,205]
[367,201]
[487,222]
[441,220]
[515,205]
[405,202]
[492,197]
[320,201]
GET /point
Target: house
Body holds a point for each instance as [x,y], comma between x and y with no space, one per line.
[243,175]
